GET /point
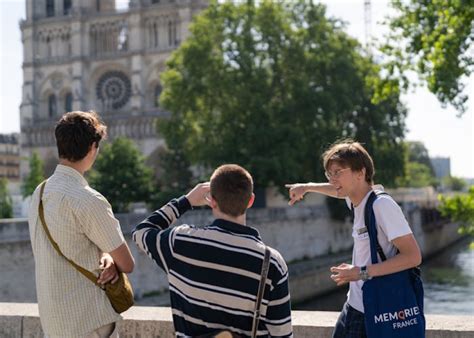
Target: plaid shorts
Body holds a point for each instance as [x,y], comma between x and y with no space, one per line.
[350,324]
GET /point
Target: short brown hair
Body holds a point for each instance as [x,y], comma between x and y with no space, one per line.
[75,133]
[231,187]
[349,153]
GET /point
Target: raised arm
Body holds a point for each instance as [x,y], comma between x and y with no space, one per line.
[298,190]
[152,235]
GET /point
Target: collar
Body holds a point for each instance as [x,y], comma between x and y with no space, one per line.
[70,173]
[376,187]
[235,227]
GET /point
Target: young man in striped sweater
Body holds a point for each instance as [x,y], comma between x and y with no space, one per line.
[214,270]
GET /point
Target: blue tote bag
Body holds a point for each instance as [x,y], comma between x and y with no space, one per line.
[393,304]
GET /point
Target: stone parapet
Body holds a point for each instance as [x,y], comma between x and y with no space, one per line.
[22,320]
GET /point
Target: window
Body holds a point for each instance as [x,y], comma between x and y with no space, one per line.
[52,105]
[67,4]
[68,102]
[170,33]
[155,35]
[97,5]
[156,96]
[49,8]
[155,1]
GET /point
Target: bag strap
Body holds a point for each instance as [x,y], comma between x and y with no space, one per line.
[371,224]
[89,275]
[261,289]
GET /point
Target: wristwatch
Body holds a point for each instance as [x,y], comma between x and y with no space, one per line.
[364,274]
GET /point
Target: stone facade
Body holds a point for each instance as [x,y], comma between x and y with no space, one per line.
[86,55]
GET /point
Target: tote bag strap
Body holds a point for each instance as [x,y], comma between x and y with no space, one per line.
[89,275]
[261,289]
[371,224]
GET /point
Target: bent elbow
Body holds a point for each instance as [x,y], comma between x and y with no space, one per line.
[128,268]
[417,259]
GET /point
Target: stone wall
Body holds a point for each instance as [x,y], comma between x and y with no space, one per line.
[306,236]
[22,320]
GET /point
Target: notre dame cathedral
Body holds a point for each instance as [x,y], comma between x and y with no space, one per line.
[87,55]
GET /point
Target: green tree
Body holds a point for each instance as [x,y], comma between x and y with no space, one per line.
[418,153]
[418,170]
[460,208]
[6,209]
[417,175]
[176,177]
[434,39]
[35,176]
[121,175]
[270,87]
[455,183]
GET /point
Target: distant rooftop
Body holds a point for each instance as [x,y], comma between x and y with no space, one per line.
[10,138]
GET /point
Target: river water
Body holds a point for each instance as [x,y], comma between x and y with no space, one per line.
[448,281]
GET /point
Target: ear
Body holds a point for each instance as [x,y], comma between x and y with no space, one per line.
[362,174]
[213,203]
[251,200]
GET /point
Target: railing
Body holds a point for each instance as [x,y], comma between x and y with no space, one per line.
[22,320]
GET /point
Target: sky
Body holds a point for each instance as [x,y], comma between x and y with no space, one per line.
[443,133]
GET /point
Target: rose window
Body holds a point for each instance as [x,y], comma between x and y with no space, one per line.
[114,89]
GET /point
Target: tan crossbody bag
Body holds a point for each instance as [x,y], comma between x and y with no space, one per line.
[120,293]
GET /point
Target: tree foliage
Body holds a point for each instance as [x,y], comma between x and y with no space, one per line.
[418,170]
[460,208]
[176,176]
[35,176]
[417,175]
[271,86]
[454,183]
[418,153]
[433,38]
[121,175]
[6,208]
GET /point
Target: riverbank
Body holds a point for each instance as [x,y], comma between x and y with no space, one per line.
[448,282]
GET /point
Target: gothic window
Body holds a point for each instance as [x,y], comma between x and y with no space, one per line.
[49,8]
[52,105]
[48,47]
[68,102]
[97,5]
[67,4]
[155,34]
[170,33]
[175,36]
[156,96]
[113,89]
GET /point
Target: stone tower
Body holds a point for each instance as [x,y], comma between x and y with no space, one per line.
[86,55]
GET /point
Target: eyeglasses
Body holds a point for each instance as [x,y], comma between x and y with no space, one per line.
[335,174]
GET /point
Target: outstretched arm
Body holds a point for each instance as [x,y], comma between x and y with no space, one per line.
[298,190]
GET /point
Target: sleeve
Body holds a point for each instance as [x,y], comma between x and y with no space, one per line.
[278,316]
[154,235]
[99,223]
[390,218]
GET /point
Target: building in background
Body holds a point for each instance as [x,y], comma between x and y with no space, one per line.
[86,55]
[10,170]
[10,157]
[441,166]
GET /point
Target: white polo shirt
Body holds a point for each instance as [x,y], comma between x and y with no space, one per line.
[81,221]
[391,224]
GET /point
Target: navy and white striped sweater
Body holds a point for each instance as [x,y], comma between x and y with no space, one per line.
[214,272]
